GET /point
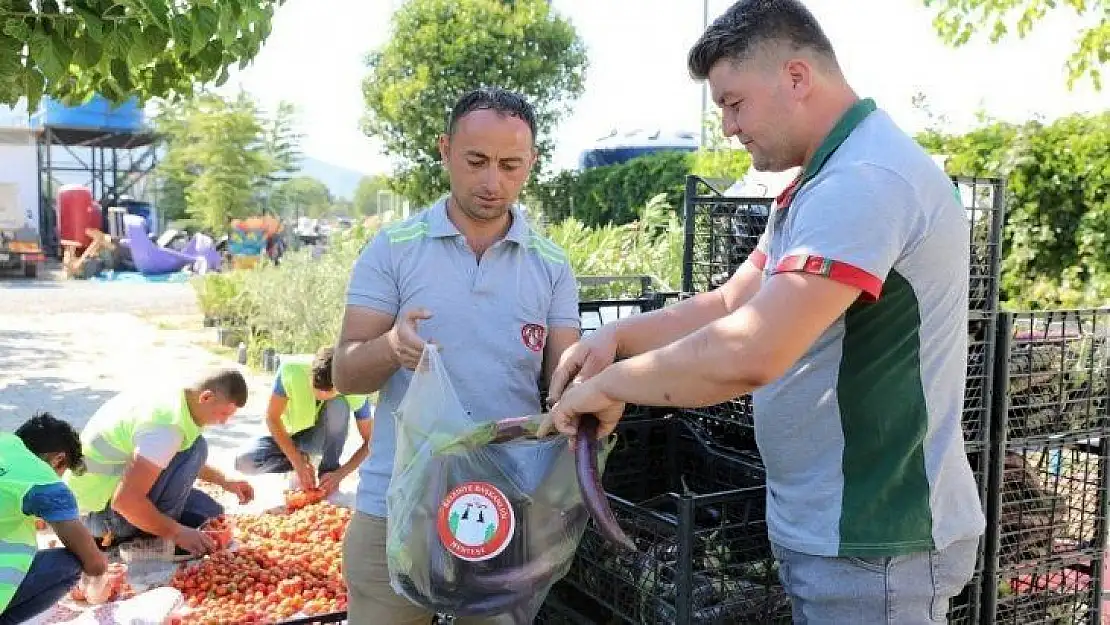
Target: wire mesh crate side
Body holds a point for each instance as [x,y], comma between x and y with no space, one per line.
[1057,374]
[984,203]
[720,232]
[1052,502]
[697,516]
[1048,593]
[978,383]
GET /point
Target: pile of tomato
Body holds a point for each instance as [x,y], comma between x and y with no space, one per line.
[283,564]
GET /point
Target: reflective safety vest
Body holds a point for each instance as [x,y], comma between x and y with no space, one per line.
[301,409]
[20,471]
[108,441]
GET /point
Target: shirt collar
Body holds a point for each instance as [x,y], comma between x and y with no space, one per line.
[440,226]
[848,122]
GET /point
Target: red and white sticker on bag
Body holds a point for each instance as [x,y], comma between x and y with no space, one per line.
[475,521]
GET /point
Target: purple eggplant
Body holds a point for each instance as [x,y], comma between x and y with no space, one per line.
[589,481]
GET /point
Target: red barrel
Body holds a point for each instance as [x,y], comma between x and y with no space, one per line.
[76,211]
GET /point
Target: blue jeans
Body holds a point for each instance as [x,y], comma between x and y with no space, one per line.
[912,589]
[326,437]
[53,573]
[172,494]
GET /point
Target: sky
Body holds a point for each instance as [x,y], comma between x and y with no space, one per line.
[637,77]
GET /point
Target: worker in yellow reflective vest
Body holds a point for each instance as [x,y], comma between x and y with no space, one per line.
[306,416]
[32,462]
[144,452]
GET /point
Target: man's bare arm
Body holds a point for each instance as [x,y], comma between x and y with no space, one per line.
[76,537]
[132,502]
[364,359]
[637,334]
[558,341]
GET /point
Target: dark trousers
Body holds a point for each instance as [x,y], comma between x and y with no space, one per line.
[53,573]
[326,438]
[173,495]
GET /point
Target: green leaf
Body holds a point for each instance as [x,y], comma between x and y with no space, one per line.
[94,25]
[17,27]
[206,22]
[140,53]
[158,11]
[61,49]
[34,83]
[116,40]
[122,75]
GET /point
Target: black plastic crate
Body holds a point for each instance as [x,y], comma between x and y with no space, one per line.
[697,517]
[595,313]
[981,361]
[1051,503]
[984,202]
[1057,372]
[720,233]
[566,605]
[1049,593]
[964,608]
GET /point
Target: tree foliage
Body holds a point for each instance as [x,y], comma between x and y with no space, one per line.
[957,21]
[1057,229]
[439,49]
[216,153]
[366,194]
[119,48]
[302,195]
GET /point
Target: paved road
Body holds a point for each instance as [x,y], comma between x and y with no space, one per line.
[68,346]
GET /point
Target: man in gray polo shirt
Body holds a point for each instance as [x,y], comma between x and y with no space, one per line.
[470,274]
[848,324]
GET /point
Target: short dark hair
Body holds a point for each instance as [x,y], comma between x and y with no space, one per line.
[43,433]
[505,102]
[228,383]
[321,369]
[749,24]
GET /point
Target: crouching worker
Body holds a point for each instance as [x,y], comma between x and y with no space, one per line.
[306,415]
[32,462]
[144,452]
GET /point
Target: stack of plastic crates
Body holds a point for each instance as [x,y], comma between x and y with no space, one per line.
[604,299]
[1047,531]
[696,513]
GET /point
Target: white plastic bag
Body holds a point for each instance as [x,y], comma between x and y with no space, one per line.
[483,517]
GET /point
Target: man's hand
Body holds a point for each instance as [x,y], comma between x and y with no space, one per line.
[584,398]
[241,489]
[405,343]
[194,541]
[306,474]
[583,360]
[329,482]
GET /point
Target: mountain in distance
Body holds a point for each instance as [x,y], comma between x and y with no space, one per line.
[341,181]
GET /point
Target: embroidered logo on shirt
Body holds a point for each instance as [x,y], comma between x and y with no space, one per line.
[533,336]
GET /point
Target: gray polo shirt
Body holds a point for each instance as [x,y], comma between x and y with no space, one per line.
[491,319]
[862,437]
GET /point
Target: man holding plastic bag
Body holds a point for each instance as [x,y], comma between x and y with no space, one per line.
[500,302]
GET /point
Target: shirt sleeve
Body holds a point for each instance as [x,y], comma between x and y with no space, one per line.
[363,411]
[373,282]
[158,444]
[52,503]
[279,388]
[564,300]
[855,222]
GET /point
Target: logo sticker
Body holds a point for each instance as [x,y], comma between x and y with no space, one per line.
[475,521]
[533,336]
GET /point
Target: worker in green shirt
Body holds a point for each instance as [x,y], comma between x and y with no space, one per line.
[32,461]
[307,416]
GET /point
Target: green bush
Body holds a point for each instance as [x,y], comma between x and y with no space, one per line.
[297,306]
[1055,242]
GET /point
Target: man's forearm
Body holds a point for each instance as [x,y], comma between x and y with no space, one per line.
[212,475]
[638,334]
[364,367]
[356,459]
